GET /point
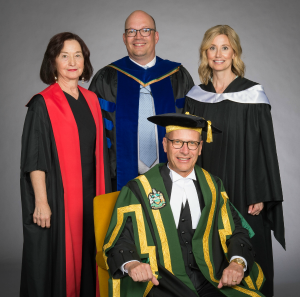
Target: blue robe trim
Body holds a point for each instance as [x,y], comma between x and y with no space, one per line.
[180,102]
[108,141]
[107,105]
[127,108]
[108,124]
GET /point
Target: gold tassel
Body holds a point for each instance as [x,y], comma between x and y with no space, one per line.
[209,133]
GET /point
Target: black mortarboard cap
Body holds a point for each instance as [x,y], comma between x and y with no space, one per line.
[176,121]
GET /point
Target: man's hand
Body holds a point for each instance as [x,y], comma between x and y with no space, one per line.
[255,209]
[140,272]
[42,214]
[232,275]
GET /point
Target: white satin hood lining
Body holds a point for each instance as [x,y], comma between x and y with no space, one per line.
[253,95]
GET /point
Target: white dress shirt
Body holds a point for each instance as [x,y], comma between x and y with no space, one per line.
[148,65]
[142,168]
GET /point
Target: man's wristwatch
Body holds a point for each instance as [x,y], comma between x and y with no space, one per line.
[239,261]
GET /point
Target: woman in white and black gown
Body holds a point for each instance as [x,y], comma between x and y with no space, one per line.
[244,155]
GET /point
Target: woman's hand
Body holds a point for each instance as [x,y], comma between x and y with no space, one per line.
[42,214]
[255,209]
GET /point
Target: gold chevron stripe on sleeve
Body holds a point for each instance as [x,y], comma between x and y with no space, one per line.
[208,226]
[145,249]
[249,282]
[260,277]
[226,223]
[245,291]
[148,83]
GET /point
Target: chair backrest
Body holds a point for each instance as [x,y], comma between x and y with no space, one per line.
[103,209]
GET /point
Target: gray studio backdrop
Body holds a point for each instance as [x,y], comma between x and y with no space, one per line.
[270,39]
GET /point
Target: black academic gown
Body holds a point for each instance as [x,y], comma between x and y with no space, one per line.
[244,157]
[105,85]
[44,259]
[238,245]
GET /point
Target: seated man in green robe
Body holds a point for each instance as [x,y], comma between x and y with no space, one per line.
[174,232]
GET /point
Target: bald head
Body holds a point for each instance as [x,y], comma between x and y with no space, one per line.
[140,48]
[142,16]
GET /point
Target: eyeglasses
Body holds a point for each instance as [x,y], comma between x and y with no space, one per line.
[144,32]
[178,144]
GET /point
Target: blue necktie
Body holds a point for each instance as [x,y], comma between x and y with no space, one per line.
[147,140]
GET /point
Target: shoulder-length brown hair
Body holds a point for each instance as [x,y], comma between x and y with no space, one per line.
[56,43]
[238,66]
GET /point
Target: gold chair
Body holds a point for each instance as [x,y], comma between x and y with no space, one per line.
[103,209]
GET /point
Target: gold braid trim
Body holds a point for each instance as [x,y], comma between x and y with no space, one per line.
[149,287]
[145,249]
[260,277]
[116,284]
[208,226]
[160,226]
[174,128]
[245,291]
[249,282]
[150,82]
[227,231]
[206,235]
[226,222]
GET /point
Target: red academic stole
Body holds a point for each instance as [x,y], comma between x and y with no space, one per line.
[68,148]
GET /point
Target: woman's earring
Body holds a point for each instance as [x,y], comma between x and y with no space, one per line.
[55,79]
[82,80]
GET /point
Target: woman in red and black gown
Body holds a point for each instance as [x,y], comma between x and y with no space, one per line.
[244,155]
[63,167]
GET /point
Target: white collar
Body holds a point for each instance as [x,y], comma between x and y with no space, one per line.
[175,176]
[149,65]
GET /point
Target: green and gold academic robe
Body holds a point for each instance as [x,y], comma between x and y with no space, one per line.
[145,203]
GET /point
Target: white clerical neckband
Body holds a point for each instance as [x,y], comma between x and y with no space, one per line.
[253,95]
[183,189]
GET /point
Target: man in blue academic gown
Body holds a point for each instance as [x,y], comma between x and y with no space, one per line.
[132,89]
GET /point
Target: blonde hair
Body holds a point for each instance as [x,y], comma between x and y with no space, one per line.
[238,66]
